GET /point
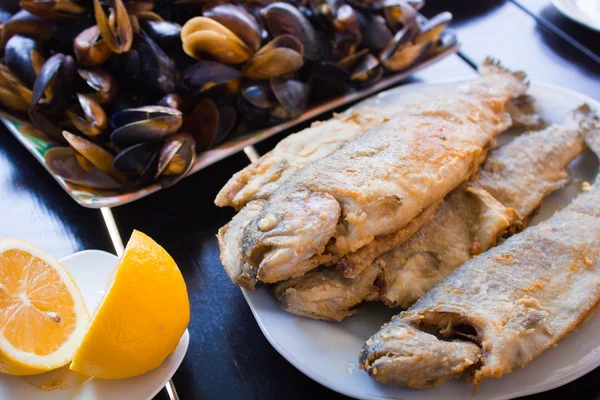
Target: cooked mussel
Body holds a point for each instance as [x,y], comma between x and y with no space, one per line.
[88,117]
[166,34]
[328,81]
[90,48]
[283,18]
[98,156]
[171,100]
[63,162]
[24,57]
[364,67]
[144,124]
[138,162]
[239,21]
[25,23]
[53,84]
[399,14]
[202,36]
[175,159]
[210,78]
[433,28]
[279,57]
[116,29]
[54,10]
[291,94]
[376,34]
[98,84]
[14,95]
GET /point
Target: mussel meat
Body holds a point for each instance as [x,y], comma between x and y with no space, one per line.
[176,159]
[364,67]
[433,28]
[14,95]
[98,156]
[103,86]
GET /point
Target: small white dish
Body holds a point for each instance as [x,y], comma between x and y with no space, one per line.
[91,270]
[585,12]
[327,351]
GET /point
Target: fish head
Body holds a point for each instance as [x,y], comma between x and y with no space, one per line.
[289,230]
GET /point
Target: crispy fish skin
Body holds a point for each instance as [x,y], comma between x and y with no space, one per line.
[259,180]
[380,181]
[230,243]
[512,302]
[511,183]
[468,222]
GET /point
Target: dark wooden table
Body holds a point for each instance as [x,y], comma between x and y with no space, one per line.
[228,357]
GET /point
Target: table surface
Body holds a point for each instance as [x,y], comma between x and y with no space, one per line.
[228,355]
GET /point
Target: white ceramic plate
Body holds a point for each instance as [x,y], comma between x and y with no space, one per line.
[91,270]
[586,12]
[327,351]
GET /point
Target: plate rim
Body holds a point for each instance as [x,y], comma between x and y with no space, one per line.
[561,6]
[565,379]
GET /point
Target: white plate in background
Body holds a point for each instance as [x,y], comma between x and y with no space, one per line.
[91,270]
[585,12]
[327,351]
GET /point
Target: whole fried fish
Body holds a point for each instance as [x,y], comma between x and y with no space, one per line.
[377,183]
[260,179]
[500,310]
[510,185]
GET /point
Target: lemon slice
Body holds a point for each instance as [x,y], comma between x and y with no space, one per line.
[43,316]
[141,318]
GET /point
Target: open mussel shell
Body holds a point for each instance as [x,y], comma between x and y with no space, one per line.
[24,57]
[447,40]
[154,70]
[202,36]
[399,14]
[172,100]
[46,124]
[14,95]
[144,124]
[239,21]
[280,56]
[291,94]
[116,29]
[432,29]
[90,48]
[376,34]
[62,161]
[98,84]
[98,156]
[406,55]
[210,78]
[53,84]
[364,67]
[89,118]
[328,81]
[283,18]
[175,159]
[259,94]
[138,162]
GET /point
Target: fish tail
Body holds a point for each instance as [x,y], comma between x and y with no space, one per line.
[588,122]
[498,82]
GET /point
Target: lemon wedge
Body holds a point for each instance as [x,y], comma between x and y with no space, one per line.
[141,318]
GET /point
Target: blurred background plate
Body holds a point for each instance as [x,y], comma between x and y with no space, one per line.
[586,12]
[36,143]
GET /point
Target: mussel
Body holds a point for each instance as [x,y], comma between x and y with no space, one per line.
[138,163]
[88,117]
[239,21]
[64,162]
[328,81]
[208,123]
[364,67]
[116,29]
[175,159]
[283,18]
[54,10]
[202,36]
[279,57]
[25,58]
[98,156]
[144,124]
[98,84]
[14,95]
[90,48]
[53,84]
[210,78]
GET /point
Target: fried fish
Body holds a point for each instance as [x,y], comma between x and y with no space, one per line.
[510,185]
[377,183]
[260,179]
[500,310]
